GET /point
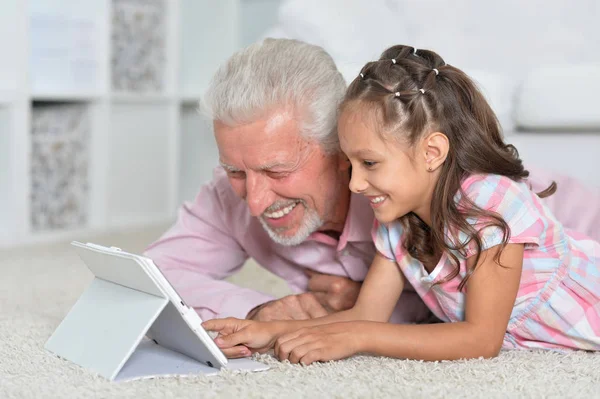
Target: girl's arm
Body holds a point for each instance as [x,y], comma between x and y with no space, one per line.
[491,293]
[376,301]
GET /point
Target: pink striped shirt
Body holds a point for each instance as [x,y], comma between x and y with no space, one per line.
[558,302]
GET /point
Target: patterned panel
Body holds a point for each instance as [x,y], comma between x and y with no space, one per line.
[138,45]
[59,166]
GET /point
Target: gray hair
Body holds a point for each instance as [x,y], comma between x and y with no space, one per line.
[274,73]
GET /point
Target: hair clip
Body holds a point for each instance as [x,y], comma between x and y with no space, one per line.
[436,71]
[422,91]
[397,94]
[361,75]
[393,60]
[415,50]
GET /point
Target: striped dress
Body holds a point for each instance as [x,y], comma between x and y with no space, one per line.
[558,302]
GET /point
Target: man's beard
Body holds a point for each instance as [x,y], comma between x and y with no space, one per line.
[310,223]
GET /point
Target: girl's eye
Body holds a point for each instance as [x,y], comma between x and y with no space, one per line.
[369,164]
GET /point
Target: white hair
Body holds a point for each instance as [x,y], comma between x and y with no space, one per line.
[275,73]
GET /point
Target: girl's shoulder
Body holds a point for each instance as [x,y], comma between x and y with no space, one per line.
[387,238]
[475,182]
[487,189]
[512,201]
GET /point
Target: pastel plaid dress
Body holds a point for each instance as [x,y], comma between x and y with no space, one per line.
[558,302]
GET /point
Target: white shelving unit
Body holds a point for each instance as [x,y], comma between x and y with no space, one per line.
[99,126]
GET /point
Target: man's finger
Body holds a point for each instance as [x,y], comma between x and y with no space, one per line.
[312,306]
[311,273]
[299,314]
[323,298]
[321,282]
[292,306]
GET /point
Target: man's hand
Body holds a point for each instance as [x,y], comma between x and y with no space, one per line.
[292,307]
[334,293]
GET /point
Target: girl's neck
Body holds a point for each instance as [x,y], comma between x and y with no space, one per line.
[424,211]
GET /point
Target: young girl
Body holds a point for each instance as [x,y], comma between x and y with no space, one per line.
[456,219]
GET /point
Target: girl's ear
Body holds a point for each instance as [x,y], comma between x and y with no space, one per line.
[435,150]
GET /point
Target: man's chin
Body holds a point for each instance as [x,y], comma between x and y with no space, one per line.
[284,236]
[294,233]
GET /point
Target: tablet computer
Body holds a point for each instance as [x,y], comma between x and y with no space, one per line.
[176,327]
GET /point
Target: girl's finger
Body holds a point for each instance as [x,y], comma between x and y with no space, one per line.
[286,348]
[301,350]
[231,340]
[237,352]
[285,338]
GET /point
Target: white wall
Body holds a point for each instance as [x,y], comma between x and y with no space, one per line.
[498,43]
[508,36]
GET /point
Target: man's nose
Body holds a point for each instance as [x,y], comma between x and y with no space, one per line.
[358,184]
[258,193]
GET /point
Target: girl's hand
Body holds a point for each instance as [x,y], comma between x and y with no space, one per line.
[240,338]
[322,343]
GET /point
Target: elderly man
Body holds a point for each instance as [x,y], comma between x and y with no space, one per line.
[280,197]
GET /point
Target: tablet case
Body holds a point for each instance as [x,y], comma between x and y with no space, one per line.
[105,330]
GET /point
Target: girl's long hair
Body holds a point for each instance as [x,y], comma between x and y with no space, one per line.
[416,92]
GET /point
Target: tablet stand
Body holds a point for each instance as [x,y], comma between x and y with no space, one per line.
[103,332]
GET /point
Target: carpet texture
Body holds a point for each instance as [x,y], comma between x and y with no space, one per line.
[40,284]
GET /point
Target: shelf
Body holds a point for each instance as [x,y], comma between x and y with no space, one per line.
[135,72]
[143,98]
[67,97]
[13,65]
[59,173]
[6,222]
[138,164]
[198,152]
[66,47]
[207,27]
[7,97]
[190,99]
[139,46]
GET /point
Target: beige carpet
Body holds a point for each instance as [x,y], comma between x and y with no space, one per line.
[40,284]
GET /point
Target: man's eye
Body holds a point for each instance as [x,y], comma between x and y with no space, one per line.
[277,175]
[236,174]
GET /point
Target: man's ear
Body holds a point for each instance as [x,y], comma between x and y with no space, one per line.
[435,150]
[343,162]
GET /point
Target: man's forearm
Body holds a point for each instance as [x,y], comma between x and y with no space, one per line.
[255,310]
[352,314]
